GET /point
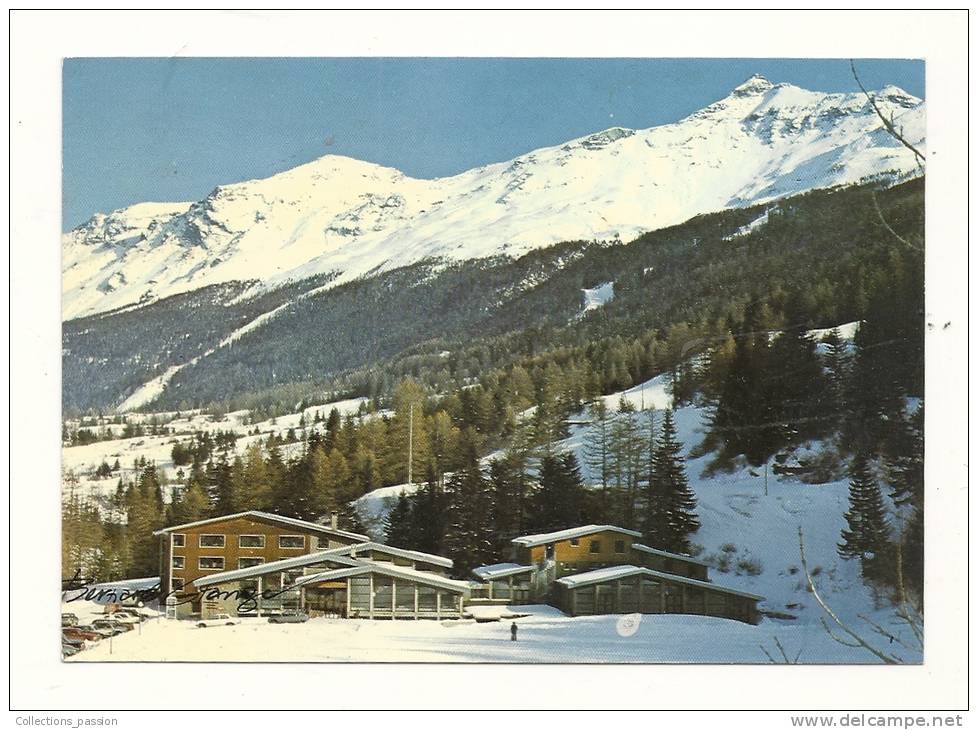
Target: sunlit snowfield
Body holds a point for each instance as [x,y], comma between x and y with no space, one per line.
[545,635]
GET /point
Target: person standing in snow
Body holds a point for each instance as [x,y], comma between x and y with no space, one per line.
[512,632]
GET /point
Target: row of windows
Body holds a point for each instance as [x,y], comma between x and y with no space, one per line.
[594,547]
[214,562]
[285,542]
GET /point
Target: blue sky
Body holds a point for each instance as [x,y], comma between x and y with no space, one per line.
[172,129]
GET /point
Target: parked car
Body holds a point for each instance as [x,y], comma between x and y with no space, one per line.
[124,617]
[69,619]
[76,632]
[289,617]
[116,627]
[69,649]
[221,619]
[104,633]
[69,641]
[135,613]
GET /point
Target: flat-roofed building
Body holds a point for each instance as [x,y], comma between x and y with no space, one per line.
[231,542]
[633,589]
[366,580]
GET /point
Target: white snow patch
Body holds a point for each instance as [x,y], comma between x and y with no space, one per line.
[598,296]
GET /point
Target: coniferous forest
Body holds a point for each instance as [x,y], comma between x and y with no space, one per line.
[486,374]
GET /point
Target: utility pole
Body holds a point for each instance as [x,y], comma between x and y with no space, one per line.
[410,441]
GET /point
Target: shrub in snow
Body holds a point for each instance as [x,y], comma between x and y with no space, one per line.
[720,561]
[750,566]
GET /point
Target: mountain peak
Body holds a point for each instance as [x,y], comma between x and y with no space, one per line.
[756,84]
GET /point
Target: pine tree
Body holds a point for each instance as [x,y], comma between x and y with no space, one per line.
[796,381]
[468,537]
[429,507]
[867,535]
[838,363]
[507,484]
[597,452]
[398,526]
[560,500]
[742,421]
[670,503]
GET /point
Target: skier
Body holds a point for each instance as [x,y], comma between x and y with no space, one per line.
[512,632]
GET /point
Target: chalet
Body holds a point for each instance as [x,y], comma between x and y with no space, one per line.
[237,541]
[604,569]
[365,580]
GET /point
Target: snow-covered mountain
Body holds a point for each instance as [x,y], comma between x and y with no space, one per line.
[762,142]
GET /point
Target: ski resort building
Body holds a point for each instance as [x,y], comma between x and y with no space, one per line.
[631,589]
[597,569]
[237,541]
[257,564]
[364,580]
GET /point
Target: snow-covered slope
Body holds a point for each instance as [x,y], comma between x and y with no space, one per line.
[336,214]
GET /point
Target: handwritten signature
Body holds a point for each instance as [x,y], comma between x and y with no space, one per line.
[89,590]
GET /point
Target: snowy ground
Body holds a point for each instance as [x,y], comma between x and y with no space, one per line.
[545,635]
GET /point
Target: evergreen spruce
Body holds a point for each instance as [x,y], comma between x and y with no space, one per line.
[560,500]
[867,534]
[398,526]
[670,503]
[468,534]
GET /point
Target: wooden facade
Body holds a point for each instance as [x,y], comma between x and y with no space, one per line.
[602,545]
[208,547]
[596,569]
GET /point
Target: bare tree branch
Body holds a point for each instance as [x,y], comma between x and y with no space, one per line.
[884,633]
[768,655]
[889,228]
[910,614]
[860,641]
[835,637]
[888,124]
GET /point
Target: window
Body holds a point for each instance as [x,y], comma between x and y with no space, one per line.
[210,563]
[250,562]
[548,552]
[211,541]
[177,584]
[291,542]
[178,562]
[575,542]
[179,539]
[289,577]
[595,546]
[251,541]
[619,546]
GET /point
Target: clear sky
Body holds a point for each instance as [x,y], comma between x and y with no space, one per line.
[172,129]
